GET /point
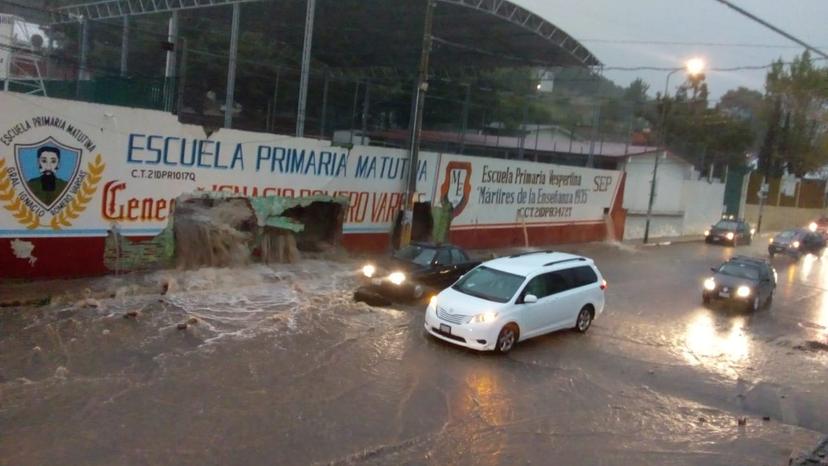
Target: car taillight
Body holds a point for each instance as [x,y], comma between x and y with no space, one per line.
[603,284]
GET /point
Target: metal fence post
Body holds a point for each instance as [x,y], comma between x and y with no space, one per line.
[124,46]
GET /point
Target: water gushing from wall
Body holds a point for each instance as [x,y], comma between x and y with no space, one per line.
[213,233]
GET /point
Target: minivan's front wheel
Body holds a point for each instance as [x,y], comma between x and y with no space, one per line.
[584,320]
[507,339]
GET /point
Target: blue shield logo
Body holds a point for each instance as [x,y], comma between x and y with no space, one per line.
[48,169]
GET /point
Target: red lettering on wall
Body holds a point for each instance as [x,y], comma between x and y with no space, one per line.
[135,209]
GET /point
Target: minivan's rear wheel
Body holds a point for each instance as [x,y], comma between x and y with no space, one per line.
[507,339]
[584,319]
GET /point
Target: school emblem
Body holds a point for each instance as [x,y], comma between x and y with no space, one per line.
[456,187]
[47,169]
[47,182]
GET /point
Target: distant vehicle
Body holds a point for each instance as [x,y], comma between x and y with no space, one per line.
[820,226]
[728,230]
[413,271]
[796,243]
[744,281]
[515,298]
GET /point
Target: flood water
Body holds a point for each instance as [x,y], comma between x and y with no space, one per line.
[277,365]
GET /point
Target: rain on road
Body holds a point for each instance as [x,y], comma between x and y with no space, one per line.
[279,366]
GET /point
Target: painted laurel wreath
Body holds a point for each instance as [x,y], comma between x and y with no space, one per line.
[29,219]
[13,204]
[82,198]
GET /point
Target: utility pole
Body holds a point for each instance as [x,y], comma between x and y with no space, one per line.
[596,118]
[231,68]
[303,80]
[662,146]
[416,124]
[763,195]
[170,68]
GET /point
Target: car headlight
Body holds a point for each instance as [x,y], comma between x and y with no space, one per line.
[812,226]
[743,291]
[706,232]
[397,278]
[729,235]
[369,270]
[795,244]
[710,284]
[485,317]
[433,301]
[770,241]
[752,231]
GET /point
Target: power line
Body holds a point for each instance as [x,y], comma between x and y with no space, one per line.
[770,26]
[700,44]
[719,69]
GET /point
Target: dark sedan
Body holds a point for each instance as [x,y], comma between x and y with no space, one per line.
[744,281]
[729,231]
[412,272]
[796,243]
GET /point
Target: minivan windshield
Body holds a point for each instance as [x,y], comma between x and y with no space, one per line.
[489,284]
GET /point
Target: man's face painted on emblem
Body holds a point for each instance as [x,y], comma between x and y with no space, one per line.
[47,163]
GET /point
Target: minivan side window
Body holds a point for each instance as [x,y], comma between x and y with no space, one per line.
[557,282]
[546,284]
[581,276]
[536,286]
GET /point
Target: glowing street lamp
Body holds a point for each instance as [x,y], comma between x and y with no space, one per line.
[694,67]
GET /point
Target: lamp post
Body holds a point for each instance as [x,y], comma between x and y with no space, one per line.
[694,67]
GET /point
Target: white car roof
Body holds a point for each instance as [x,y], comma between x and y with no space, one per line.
[528,263]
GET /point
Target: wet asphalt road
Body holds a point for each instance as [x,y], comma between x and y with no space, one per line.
[282,368]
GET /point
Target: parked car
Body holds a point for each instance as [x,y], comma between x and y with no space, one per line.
[744,281]
[515,298]
[733,231]
[796,243]
[413,271]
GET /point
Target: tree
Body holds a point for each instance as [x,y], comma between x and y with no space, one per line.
[795,99]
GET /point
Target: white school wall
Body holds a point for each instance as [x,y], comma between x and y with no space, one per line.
[682,205]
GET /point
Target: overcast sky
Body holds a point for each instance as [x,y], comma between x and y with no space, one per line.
[695,21]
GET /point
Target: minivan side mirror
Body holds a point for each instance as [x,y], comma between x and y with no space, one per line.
[529,299]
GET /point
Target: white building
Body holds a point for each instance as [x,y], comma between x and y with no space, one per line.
[683,204]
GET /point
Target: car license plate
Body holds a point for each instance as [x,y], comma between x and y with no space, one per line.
[445,329]
[723,294]
[715,238]
[376,281]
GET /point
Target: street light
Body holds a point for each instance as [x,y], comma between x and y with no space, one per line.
[694,67]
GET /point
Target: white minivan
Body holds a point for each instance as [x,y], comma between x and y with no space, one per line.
[515,298]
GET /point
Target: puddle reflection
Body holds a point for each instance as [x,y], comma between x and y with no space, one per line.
[721,346]
[487,402]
